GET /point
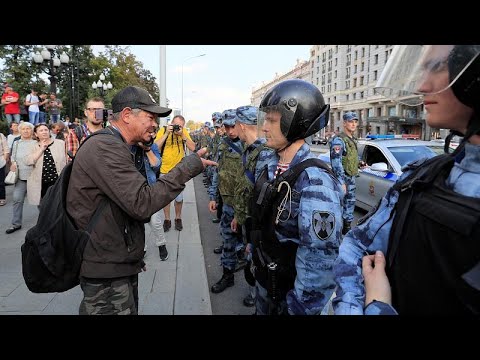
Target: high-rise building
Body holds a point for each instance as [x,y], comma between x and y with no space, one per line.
[346,76]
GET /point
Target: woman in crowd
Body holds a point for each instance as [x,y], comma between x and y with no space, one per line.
[14,133]
[4,157]
[20,149]
[48,159]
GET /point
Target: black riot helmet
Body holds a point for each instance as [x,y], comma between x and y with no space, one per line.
[465,61]
[301,105]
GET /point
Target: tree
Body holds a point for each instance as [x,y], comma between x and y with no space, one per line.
[125,70]
[74,82]
[75,79]
[17,68]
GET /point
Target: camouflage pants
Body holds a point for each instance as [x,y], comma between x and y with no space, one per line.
[118,296]
[231,241]
[265,306]
[349,199]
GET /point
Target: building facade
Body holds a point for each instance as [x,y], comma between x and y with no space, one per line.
[346,76]
[300,71]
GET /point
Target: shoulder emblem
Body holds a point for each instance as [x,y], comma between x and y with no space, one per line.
[323,224]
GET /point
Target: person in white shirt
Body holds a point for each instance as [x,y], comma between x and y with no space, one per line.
[32,100]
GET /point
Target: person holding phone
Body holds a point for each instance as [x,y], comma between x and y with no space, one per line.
[54,107]
[94,122]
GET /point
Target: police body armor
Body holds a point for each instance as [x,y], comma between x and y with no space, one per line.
[434,248]
[350,160]
[274,260]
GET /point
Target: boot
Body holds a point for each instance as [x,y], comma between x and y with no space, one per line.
[227,280]
[346,226]
[218,249]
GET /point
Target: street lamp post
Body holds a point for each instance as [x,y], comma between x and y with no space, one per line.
[101,86]
[193,57]
[49,55]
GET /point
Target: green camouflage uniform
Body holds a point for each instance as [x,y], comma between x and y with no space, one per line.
[243,192]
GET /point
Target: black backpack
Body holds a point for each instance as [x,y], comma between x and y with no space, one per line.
[53,248]
[79,131]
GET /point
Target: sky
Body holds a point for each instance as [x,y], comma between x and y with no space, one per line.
[222,79]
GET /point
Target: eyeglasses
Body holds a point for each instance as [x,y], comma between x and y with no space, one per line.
[93,109]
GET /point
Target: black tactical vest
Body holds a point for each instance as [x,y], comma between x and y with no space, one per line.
[267,249]
[434,256]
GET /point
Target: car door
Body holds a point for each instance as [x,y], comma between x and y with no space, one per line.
[372,185]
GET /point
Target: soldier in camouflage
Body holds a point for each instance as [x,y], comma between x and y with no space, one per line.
[225,181]
[246,124]
[210,139]
[295,247]
[212,150]
[344,160]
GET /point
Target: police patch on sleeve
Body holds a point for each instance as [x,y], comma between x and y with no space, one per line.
[323,224]
[337,149]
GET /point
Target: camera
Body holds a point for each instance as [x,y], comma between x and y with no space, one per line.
[176,128]
[103,114]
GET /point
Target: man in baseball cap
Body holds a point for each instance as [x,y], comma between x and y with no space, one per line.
[137,98]
[350,116]
[114,254]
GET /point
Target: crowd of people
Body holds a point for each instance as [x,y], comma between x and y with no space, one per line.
[284,216]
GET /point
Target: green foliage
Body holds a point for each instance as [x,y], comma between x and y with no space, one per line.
[4,127]
[18,69]
[125,70]
[74,81]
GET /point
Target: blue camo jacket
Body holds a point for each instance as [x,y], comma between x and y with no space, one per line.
[314,222]
[374,233]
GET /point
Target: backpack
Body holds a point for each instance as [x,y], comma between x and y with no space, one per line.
[79,133]
[53,250]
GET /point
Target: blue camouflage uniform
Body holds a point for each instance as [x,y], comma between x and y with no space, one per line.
[313,224]
[229,167]
[374,234]
[338,150]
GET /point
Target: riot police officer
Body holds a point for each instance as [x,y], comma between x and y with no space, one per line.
[296,232]
[427,223]
[224,183]
[246,124]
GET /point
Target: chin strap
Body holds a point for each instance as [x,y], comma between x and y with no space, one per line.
[286,146]
[472,129]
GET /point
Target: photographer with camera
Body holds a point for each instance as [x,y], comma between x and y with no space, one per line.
[94,122]
[172,140]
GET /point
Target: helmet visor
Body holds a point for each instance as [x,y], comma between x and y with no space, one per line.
[270,115]
[416,70]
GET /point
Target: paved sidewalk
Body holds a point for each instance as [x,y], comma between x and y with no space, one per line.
[177,286]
